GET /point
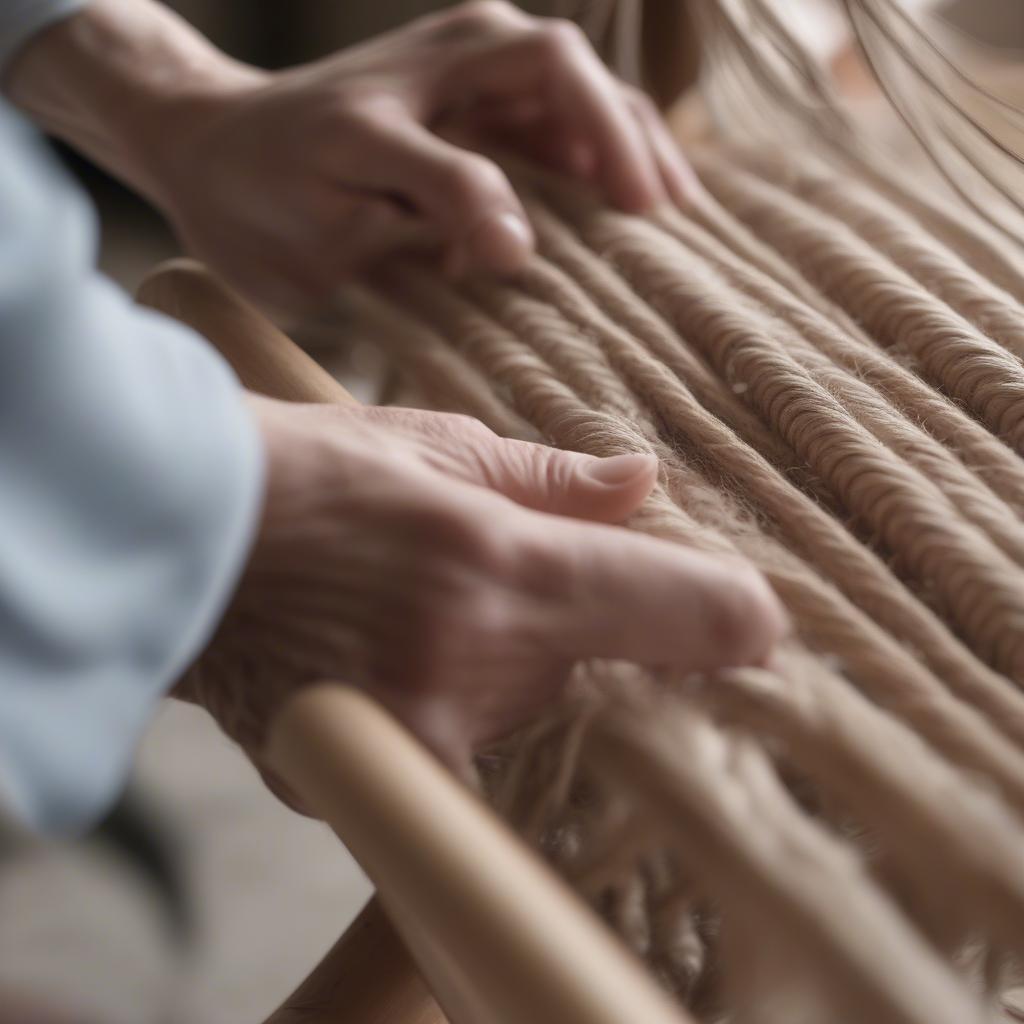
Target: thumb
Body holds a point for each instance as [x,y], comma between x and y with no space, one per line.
[465,196]
[569,483]
[536,476]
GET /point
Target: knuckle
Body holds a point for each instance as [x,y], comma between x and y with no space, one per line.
[485,12]
[559,471]
[440,586]
[640,101]
[540,568]
[484,616]
[465,427]
[343,110]
[459,631]
[452,441]
[363,115]
[744,616]
[558,37]
[460,547]
[445,531]
[471,177]
[470,612]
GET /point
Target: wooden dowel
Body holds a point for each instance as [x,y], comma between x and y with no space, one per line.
[500,938]
[521,943]
[266,360]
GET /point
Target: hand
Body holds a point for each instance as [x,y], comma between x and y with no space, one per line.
[448,572]
[289,183]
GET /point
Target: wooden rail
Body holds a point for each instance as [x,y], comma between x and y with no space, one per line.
[496,934]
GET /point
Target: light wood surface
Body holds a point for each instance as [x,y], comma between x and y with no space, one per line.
[496,931]
[500,939]
[265,359]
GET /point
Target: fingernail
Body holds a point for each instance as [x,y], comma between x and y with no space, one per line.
[619,469]
[503,242]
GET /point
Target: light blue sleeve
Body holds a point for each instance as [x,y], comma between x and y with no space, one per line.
[130,486]
[22,19]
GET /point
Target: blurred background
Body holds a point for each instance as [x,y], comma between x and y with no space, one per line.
[202,899]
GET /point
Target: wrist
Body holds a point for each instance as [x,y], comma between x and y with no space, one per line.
[169,126]
[120,80]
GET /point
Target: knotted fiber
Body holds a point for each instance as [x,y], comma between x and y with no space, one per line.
[828,367]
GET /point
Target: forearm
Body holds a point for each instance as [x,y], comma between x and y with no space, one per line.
[112,80]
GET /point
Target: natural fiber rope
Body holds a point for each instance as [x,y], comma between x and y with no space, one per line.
[899,237]
[806,526]
[967,365]
[911,516]
[828,365]
[512,362]
[769,420]
[757,267]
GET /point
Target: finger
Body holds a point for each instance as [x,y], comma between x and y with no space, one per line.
[677,175]
[568,483]
[464,195]
[556,61]
[603,592]
[365,229]
[680,181]
[534,475]
[543,139]
[347,232]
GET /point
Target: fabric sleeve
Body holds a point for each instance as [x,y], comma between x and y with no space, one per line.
[130,487]
[22,19]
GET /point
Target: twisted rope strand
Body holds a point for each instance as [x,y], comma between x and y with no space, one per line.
[950,351]
[871,656]
[848,368]
[771,409]
[804,526]
[898,236]
[911,515]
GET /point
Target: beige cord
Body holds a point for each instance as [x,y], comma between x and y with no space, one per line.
[827,361]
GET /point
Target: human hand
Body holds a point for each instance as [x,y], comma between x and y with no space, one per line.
[449,572]
[288,183]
